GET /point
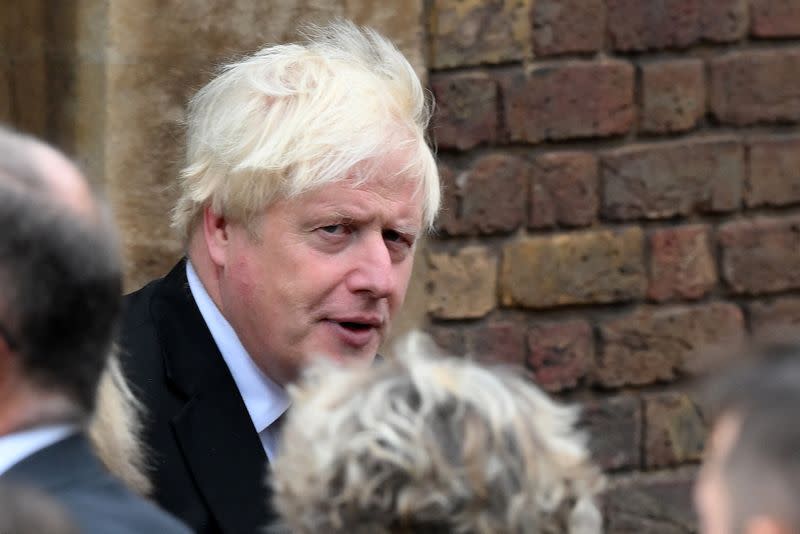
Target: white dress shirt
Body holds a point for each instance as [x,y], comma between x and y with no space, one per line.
[17,446]
[265,400]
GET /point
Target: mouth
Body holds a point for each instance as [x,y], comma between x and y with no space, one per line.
[356,332]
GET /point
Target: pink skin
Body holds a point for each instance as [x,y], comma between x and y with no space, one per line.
[326,276]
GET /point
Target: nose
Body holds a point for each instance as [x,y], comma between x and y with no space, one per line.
[373,272]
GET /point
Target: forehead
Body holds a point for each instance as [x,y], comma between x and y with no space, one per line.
[395,199]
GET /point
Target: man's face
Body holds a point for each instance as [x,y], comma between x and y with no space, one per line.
[326,276]
[712,499]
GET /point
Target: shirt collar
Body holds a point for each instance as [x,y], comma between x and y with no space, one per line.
[264,399]
[17,446]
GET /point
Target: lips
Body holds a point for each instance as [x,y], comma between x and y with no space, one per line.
[356,331]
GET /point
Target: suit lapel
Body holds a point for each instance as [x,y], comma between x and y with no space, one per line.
[213,430]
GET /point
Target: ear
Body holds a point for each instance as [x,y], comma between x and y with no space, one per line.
[216,235]
[766,525]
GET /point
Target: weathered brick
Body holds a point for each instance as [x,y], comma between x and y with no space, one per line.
[462,285]
[659,503]
[573,268]
[564,190]
[466,109]
[673,95]
[449,337]
[567,26]
[681,263]
[500,341]
[575,99]
[661,180]
[615,431]
[761,255]
[560,354]
[490,197]
[773,316]
[655,344]
[472,32]
[637,25]
[756,86]
[723,21]
[674,430]
[775,18]
[773,173]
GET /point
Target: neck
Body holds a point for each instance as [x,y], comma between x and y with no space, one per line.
[24,407]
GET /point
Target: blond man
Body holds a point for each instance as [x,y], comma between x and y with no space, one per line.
[308,182]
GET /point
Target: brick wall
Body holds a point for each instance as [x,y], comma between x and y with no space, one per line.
[622,190]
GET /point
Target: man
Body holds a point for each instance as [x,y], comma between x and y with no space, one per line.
[750,480]
[308,181]
[430,444]
[59,303]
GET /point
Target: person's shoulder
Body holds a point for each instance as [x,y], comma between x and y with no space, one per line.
[105,505]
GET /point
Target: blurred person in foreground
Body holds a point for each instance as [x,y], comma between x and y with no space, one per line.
[750,479]
[307,184]
[60,282]
[27,511]
[430,444]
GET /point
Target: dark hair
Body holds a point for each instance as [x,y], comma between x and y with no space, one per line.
[60,281]
[762,394]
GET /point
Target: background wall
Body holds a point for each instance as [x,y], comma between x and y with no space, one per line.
[622,180]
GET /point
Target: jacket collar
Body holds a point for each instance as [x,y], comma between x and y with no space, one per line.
[213,429]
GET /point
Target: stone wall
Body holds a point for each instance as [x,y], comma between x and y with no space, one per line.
[622,192]
[622,181]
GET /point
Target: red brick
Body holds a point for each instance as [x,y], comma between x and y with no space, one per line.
[576,99]
[475,32]
[774,316]
[658,503]
[567,26]
[773,177]
[673,95]
[661,180]
[466,110]
[681,263]
[449,337]
[637,25]
[674,429]
[761,255]
[488,198]
[724,20]
[775,18]
[615,431]
[560,353]
[498,342]
[656,344]
[564,190]
[756,86]
[573,268]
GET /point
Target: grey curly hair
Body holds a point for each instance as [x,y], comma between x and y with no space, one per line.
[424,443]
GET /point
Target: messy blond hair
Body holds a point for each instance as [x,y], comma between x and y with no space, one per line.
[293,117]
[431,444]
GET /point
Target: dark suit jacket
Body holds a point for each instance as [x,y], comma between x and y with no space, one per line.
[209,467]
[69,472]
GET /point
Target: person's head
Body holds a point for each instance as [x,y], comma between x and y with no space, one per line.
[60,284]
[750,479]
[308,180]
[430,444]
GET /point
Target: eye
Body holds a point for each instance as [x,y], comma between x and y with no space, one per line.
[393,236]
[333,229]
